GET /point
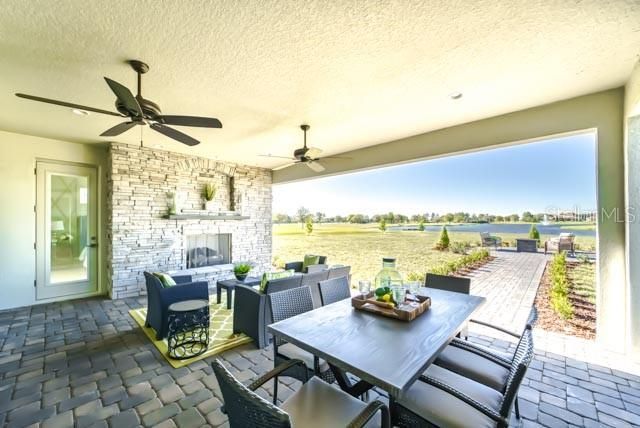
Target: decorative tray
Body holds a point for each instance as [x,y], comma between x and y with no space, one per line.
[413,306]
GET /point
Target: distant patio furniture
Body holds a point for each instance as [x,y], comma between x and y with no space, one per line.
[340,271]
[159,298]
[251,311]
[287,304]
[450,283]
[317,268]
[443,398]
[489,240]
[299,266]
[333,290]
[563,242]
[314,404]
[526,245]
[229,284]
[487,366]
[188,331]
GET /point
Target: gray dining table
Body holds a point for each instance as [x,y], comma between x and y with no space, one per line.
[383,352]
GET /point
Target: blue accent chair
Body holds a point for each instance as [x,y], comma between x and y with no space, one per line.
[159,299]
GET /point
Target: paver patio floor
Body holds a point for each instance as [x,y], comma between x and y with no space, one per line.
[86,363]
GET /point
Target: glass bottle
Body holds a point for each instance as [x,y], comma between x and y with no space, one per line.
[388,276]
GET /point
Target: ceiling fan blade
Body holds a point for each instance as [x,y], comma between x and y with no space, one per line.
[66,104]
[283,166]
[278,157]
[125,96]
[336,157]
[313,152]
[118,129]
[315,166]
[200,122]
[175,134]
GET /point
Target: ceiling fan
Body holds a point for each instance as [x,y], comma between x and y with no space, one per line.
[139,110]
[305,155]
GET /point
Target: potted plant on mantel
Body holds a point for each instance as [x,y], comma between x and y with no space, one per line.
[241,270]
[208,193]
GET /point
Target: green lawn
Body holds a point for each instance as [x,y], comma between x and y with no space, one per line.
[363,246]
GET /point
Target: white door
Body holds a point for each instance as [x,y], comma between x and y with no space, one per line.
[66,230]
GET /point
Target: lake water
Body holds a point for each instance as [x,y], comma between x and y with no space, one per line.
[497,228]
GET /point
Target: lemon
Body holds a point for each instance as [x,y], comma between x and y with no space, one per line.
[386,298]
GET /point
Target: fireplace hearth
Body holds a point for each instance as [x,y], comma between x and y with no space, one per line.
[208,249]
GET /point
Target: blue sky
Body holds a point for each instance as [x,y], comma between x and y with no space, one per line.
[558,173]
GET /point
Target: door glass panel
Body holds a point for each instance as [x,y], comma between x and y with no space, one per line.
[68,228]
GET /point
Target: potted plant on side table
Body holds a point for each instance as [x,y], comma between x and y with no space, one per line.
[241,270]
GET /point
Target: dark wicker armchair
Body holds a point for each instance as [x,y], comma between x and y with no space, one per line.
[444,398]
[251,311]
[159,298]
[484,365]
[287,304]
[315,404]
[334,290]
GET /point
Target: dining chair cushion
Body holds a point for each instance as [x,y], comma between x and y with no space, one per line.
[318,404]
[291,351]
[443,409]
[473,366]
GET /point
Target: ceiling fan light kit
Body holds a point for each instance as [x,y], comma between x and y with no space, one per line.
[138,110]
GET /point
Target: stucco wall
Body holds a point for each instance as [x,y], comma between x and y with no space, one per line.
[17,217]
[632,151]
[141,239]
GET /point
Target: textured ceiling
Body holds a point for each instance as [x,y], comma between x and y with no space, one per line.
[360,72]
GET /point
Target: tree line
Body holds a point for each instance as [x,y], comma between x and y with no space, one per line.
[303,215]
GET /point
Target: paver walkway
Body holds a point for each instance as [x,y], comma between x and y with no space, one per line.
[509,282]
[86,363]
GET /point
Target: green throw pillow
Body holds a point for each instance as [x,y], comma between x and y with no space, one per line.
[309,260]
[165,279]
[268,276]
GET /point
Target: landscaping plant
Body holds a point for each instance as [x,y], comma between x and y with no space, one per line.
[559,295]
[443,241]
[209,192]
[383,224]
[308,225]
[533,233]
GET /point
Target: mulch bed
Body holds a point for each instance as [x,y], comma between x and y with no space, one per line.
[583,322]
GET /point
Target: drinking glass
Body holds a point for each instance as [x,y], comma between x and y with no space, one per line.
[414,286]
[364,286]
[399,294]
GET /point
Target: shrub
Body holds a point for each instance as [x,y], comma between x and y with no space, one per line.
[559,294]
[383,224]
[443,241]
[470,259]
[533,233]
[278,262]
[459,247]
[421,226]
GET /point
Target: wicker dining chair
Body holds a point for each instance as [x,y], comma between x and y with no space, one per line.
[315,404]
[444,398]
[287,304]
[450,283]
[334,290]
[484,365]
[311,280]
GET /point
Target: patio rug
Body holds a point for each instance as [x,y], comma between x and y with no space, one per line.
[221,337]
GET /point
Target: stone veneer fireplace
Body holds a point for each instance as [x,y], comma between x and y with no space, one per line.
[142,239]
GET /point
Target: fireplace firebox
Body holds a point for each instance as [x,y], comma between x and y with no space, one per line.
[208,249]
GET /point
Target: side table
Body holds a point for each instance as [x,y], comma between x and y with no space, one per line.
[188,334]
[229,284]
